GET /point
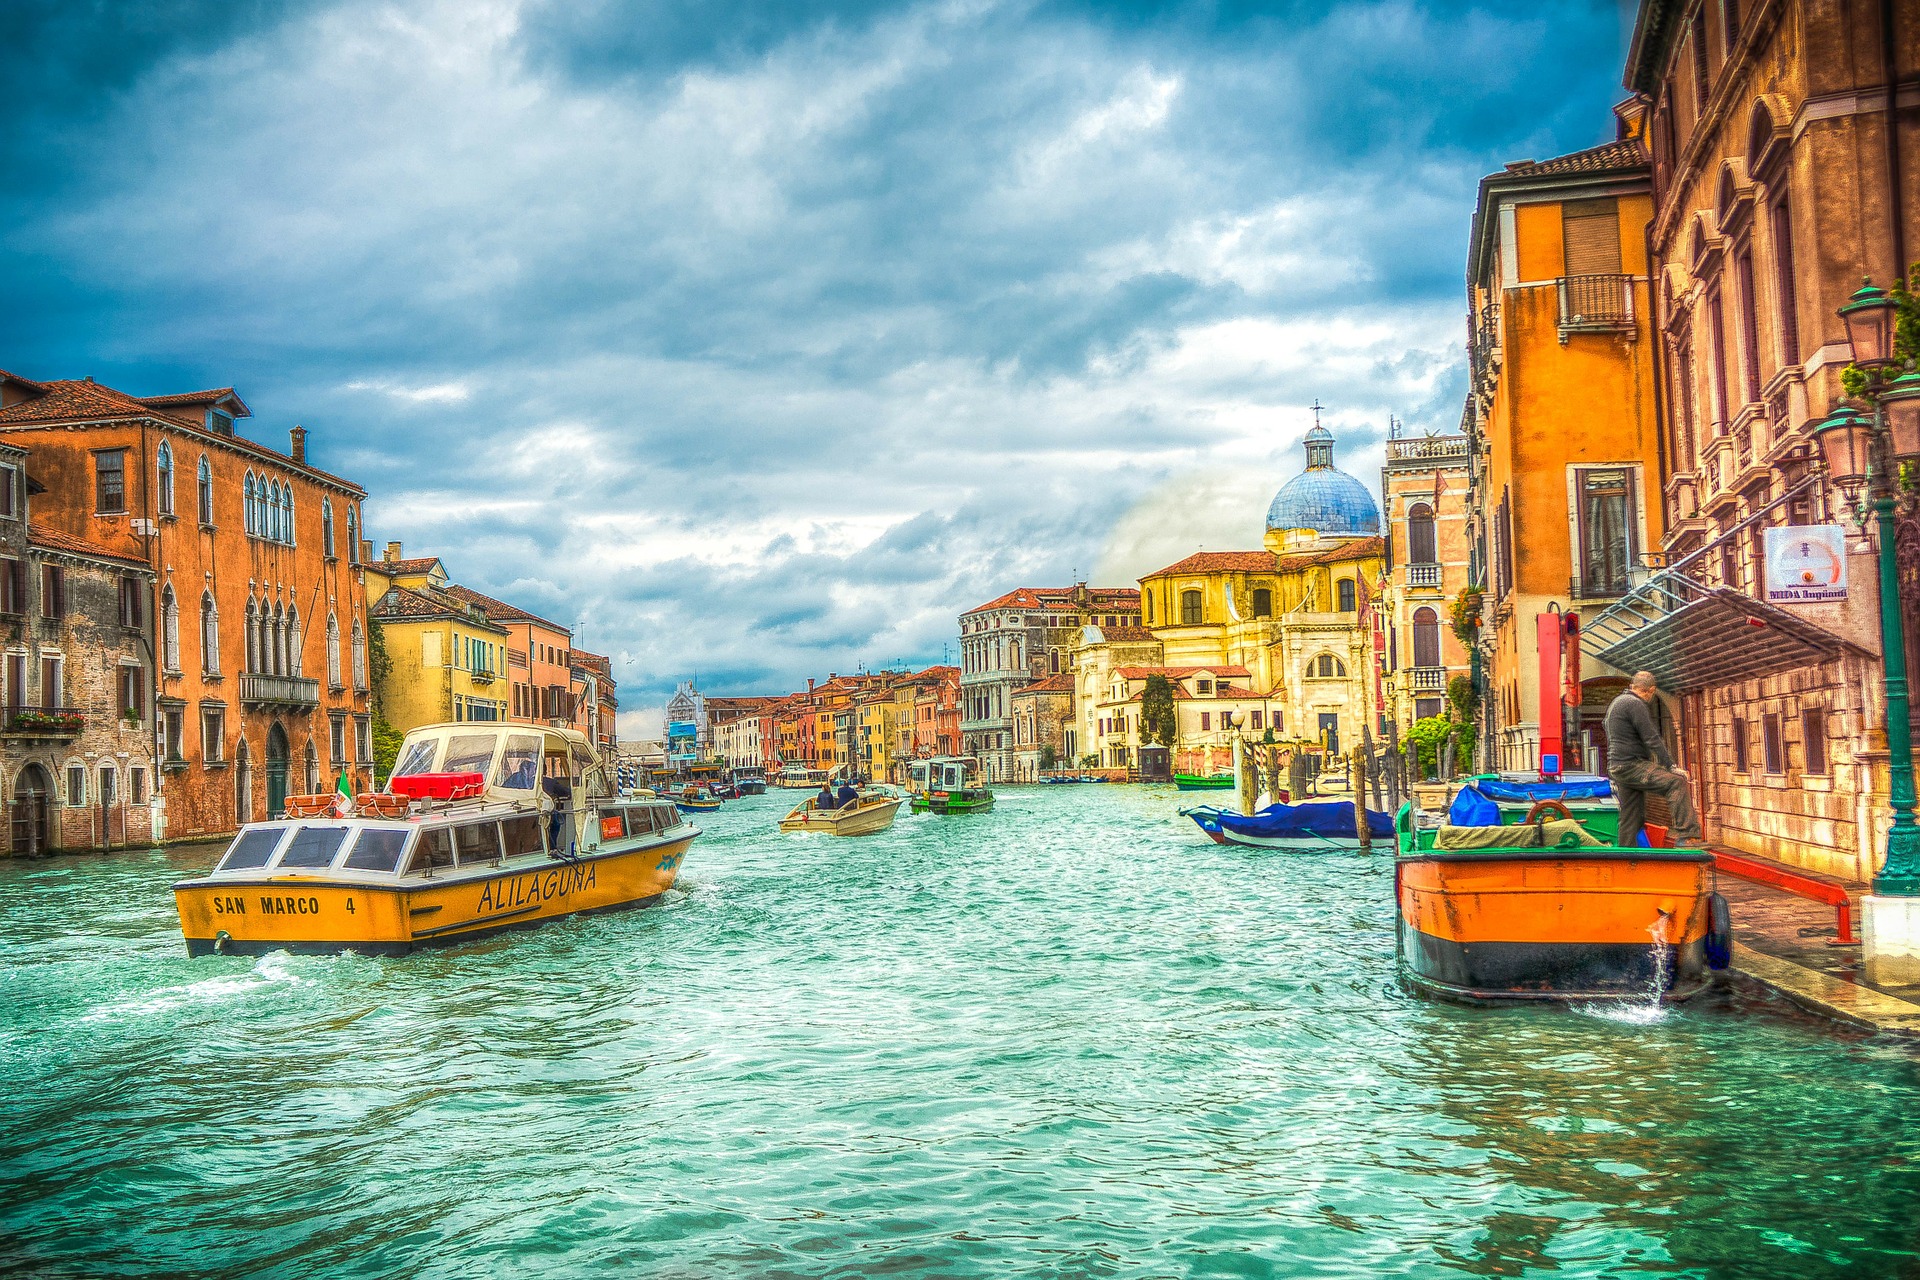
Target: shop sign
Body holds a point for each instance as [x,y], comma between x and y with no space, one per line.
[1806,564]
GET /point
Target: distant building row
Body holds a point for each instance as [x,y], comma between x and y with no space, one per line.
[867,725]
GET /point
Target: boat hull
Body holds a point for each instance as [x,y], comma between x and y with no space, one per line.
[863,821]
[318,915]
[1554,924]
[1189,782]
[938,803]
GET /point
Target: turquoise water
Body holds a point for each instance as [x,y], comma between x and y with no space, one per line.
[1067,1038]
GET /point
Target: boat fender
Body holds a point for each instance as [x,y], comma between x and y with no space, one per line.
[221,941]
[1719,933]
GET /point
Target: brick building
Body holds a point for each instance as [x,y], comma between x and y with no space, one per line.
[1424,483]
[77,751]
[1044,733]
[1785,167]
[255,557]
[596,700]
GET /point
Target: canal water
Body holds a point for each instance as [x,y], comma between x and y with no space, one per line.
[1067,1038]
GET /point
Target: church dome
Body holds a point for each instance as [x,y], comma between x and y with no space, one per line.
[1324,498]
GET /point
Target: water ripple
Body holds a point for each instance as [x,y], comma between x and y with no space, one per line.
[1066,1038]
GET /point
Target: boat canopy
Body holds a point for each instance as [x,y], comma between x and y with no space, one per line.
[516,760]
[944,773]
[1567,788]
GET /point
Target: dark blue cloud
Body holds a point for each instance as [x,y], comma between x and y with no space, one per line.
[765,338]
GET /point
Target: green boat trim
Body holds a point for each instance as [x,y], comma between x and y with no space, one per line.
[1203,782]
[966,800]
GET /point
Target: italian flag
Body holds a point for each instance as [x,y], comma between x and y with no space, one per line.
[343,797]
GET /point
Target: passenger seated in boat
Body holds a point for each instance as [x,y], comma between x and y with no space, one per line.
[825,799]
[560,791]
[846,797]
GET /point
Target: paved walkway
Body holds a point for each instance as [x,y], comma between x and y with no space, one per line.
[1781,940]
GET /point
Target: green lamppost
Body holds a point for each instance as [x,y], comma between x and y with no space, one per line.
[1860,454]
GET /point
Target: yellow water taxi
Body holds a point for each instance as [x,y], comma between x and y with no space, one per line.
[482,828]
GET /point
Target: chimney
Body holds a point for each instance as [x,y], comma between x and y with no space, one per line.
[809,684]
[393,553]
[366,550]
[299,436]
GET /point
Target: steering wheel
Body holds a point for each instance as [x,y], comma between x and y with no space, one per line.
[1548,806]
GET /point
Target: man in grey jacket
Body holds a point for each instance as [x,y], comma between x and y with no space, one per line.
[1639,764]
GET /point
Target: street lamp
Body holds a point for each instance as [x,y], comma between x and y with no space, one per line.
[1860,453]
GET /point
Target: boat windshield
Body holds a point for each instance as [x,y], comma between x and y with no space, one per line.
[252,848]
[314,846]
[519,764]
[418,758]
[378,849]
[470,753]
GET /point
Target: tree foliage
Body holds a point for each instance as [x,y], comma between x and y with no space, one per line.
[1465,702]
[1466,616]
[1425,739]
[1157,722]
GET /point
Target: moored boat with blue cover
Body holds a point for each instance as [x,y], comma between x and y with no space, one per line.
[1314,827]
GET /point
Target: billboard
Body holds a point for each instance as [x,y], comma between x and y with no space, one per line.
[1806,564]
[683,729]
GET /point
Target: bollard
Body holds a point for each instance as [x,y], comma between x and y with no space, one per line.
[1359,779]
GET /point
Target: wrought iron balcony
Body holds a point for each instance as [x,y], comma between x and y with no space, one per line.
[1423,575]
[279,691]
[1595,304]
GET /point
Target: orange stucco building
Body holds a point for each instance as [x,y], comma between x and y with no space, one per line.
[1564,430]
[259,611]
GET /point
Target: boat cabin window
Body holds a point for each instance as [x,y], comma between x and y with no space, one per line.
[469,753]
[418,759]
[377,849]
[252,848]
[477,842]
[519,763]
[520,835]
[434,851]
[313,846]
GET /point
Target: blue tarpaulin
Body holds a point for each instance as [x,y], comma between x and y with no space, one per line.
[1585,789]
[1472,808]
[1329,819]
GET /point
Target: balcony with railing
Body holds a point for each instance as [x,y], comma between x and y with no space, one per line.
[1596,304]
[1423,575]
[1428,449]
[278,691]
[1427,679]
[19,720]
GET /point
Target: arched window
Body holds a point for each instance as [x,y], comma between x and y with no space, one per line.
[1053,662]
[1189,607]
[326,527]
[277,643]
[333,651]
[163,473]
[253,638]
[1262,602]
[1345,588]
[359,656]
[1426,637]
[1147,599]
[313,769]
[169,630]
[252,502]
[1327,667]
[1013,655]
[209,635]
[293,641]
[287,524]
[1420,542]
[206,491]
[353,535]
[273,511]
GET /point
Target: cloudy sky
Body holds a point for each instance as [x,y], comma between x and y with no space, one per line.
[759,340]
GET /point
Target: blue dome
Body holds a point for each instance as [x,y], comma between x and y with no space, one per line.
[1324,498]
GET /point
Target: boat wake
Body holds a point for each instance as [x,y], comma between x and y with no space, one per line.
[1649,1009]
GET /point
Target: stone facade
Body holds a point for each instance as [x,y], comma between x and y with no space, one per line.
[1773,197]
[77,748]
[1043,718]
[1009,643]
